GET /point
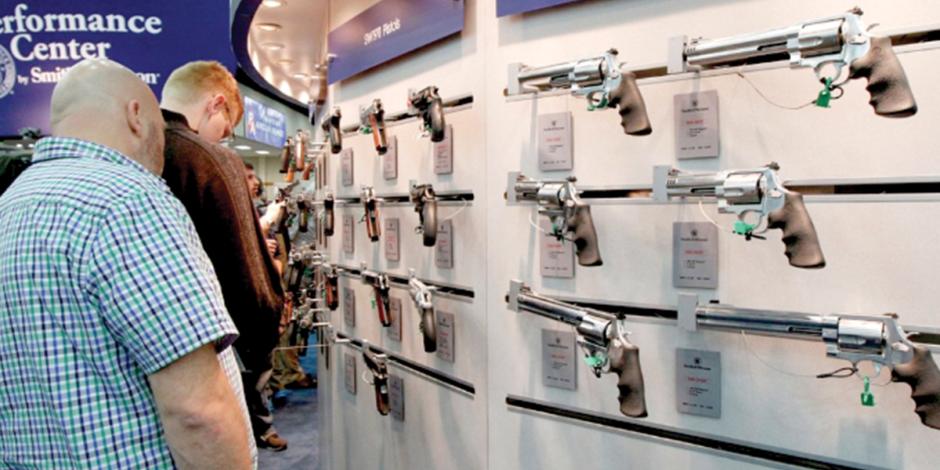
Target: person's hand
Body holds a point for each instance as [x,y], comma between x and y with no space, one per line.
[272,246]
[272,215]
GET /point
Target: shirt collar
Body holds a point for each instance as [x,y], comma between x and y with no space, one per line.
[51,148]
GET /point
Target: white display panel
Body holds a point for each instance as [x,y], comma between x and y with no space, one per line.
[879,250]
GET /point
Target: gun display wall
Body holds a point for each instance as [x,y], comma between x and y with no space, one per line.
[734,274]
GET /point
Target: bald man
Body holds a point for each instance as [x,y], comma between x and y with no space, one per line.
[113,333]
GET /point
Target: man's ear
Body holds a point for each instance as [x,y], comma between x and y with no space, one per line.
[134,118]
[217,104]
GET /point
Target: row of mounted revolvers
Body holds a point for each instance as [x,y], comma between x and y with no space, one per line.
[756,196]
[880,340]
[313,299]
[327,281]
[827,45]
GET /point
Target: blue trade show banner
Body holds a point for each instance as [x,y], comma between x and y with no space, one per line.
[389,29]
[41,39]
[511,7]
[264,124]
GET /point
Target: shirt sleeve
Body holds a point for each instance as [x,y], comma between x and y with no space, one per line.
[157,290]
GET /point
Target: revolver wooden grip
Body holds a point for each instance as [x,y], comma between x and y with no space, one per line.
[891,94]
[625,362]
[924,378]
[632,110]
[799,233]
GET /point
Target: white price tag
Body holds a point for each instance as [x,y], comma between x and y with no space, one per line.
[346,166]
[390,159]
[392,243]
[555,137]
[349,234]
[444,247]
[697,125]
[556,256]
[445,336]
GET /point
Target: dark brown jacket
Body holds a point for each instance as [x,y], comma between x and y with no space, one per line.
[210,181]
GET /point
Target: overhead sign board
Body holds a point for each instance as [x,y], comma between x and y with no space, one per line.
[512,7]
[41,39]
[264,124]
[390,29]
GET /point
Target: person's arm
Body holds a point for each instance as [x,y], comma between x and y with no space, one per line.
[198,410]
[159,298]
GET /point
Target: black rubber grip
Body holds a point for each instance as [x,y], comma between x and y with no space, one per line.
[625,362]
[924,378]
[285,158]
[379,381]
[372,221]
[632,110]
[382,306]
[330,223]
[581,224]
[332,292]
[891,94]
[435,121]
[429,222]
[799,234]
[428,329]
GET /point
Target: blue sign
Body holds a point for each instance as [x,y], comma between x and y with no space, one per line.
[263,124]
[389,29]
[41,39]
[511,7]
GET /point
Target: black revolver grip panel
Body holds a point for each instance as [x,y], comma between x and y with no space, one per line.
[585,236]
[632,108]
[285,158]
[891,94]
[429,223]
[332,292]
[330,223]
[429,329]
[799,234]
[625,362]
[436,119]
[332,129]
[924,378]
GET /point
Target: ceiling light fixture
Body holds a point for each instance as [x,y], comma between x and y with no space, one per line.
[268,26]
[273,46]
[301,76]
[273,3]
[242,147]
[262,152]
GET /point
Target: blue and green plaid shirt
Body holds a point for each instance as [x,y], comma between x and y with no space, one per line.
[103,281]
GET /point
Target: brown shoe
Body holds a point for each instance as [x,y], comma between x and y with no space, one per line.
[271,440]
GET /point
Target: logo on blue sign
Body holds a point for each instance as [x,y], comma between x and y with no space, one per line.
[7,72]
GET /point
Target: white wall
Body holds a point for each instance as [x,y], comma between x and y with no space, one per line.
[879,252]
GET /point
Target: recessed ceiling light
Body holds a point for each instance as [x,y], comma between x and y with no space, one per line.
[262,152]
[301,76]
[242,147]
[268,26]
[19,146]
[273,46]
[273,3]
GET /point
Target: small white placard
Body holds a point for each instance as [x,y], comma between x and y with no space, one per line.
[698,382]
[394,311]
[445,336]
[697,124]
[349,234]
[555,137]
[444,247]
[346,166]
[559,359]
[350,375]
[392,244]
[390,159]
[396,397]
[349,307]
[695,255]
[556,257]
[443,153]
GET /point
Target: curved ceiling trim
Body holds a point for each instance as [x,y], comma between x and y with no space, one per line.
[241,26]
